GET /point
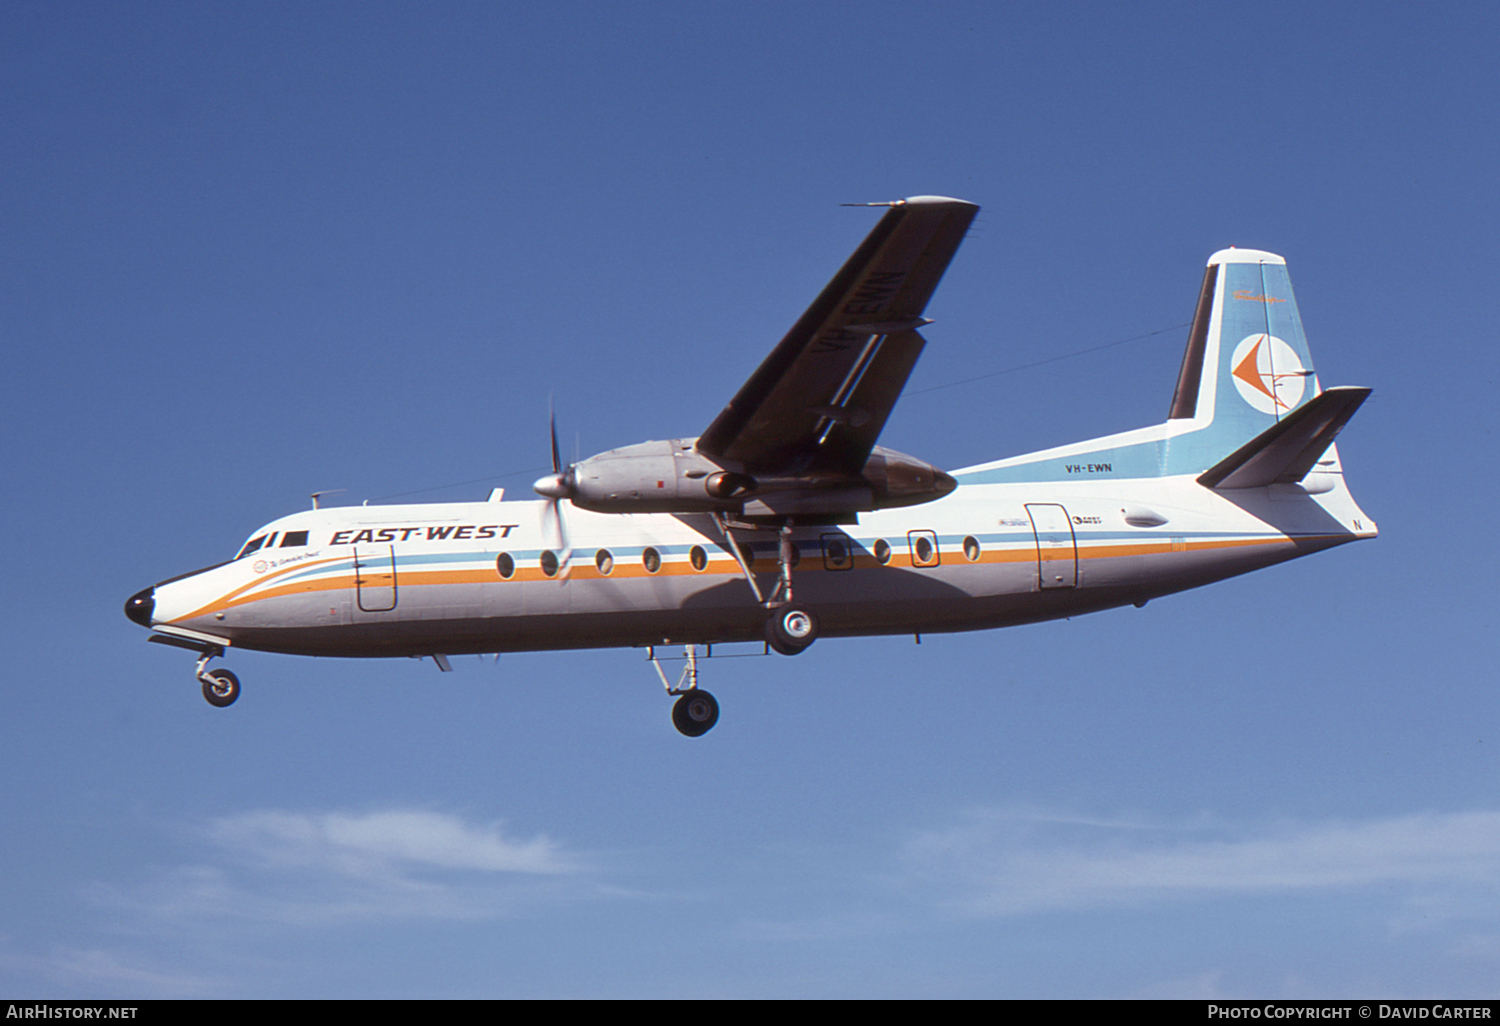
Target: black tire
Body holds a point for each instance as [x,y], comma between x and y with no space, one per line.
[791,629]
[222,688]
[695,713]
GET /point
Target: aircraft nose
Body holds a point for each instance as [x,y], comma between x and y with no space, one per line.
[140,606]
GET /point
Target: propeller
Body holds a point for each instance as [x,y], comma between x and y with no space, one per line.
[557,486]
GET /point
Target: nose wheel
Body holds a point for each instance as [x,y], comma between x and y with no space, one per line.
[220,687]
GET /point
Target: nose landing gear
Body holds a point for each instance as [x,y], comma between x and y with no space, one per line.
[220,687]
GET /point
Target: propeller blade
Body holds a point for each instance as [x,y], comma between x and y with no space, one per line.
[552,425]
[558,484]
[564,551]
[565,557]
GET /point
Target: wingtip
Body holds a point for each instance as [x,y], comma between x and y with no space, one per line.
[912,201]
[916,201]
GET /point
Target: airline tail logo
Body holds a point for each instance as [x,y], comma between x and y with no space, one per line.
[1268,374]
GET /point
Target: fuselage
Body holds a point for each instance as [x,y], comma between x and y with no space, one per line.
[456,578]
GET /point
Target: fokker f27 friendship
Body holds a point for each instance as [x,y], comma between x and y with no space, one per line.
[784,521]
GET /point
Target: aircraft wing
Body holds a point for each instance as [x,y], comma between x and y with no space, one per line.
[820,400]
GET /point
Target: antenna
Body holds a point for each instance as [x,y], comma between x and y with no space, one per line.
[329,491]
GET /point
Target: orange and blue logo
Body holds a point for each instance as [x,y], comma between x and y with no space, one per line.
[1268,374]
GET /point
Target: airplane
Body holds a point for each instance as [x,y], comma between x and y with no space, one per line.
[785,522]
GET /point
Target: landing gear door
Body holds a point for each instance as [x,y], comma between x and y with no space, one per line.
[375,578]
[1056,548]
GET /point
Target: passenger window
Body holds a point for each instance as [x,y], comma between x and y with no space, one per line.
[651,559]
[924,548]
[836,554]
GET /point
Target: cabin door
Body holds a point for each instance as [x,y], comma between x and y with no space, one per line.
[375,578]
[1056,548]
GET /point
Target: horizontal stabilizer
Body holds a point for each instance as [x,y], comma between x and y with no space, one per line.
[1288,449]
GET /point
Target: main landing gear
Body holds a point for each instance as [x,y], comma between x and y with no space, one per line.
[696,711]
[790,628]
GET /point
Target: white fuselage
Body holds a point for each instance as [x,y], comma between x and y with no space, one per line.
[456,578]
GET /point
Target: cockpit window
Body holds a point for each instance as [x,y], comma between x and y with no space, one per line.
[293,538]
[251,546]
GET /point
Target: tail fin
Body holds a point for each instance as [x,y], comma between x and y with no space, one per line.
[1247,365]
[1248,410]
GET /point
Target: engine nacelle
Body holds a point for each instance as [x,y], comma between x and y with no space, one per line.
[901,480]
[671,476]
[655,477]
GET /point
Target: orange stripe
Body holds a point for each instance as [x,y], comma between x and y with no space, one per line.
[227,599]
[1019,553]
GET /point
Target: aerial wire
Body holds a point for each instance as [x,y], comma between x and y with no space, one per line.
[919,391]
[1050,359]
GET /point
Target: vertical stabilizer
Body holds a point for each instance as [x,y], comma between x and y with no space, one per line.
[1240,415]
[1247,364]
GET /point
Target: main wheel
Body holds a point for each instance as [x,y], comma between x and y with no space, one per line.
[695,713]
[221,688]
[790,630]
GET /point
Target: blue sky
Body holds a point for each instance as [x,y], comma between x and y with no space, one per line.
[258,251]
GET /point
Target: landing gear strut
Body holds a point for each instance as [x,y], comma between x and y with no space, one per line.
[790,628]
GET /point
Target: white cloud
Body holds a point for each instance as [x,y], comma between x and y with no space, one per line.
[1005,863]
[383,843]
[97,971]
[326,868]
